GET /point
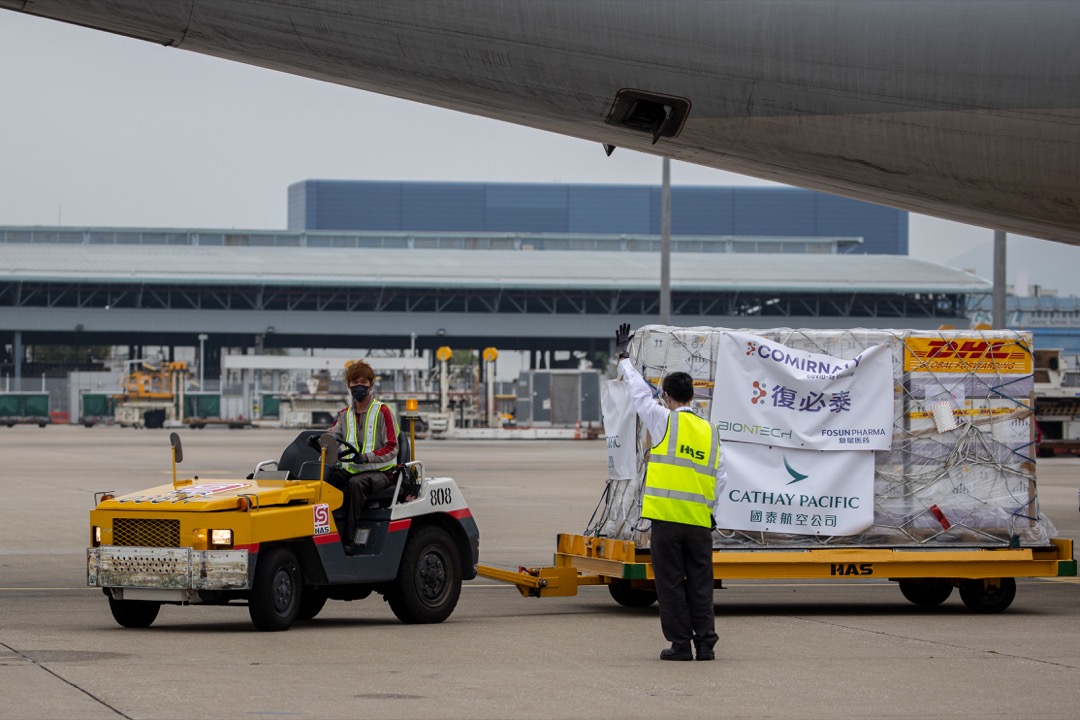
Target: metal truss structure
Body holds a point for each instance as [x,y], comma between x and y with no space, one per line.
[508,301]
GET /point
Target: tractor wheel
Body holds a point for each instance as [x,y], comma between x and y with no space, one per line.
[628,596]
[311,602]
[926,593]
[134,613]
[276,591]
[987,599]
[429,579]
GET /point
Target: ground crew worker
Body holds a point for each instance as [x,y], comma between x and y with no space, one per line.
[684,476]
[370,427]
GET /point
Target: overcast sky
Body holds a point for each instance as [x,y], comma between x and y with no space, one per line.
[102,130]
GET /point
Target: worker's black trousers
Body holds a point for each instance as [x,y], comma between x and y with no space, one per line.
[357,488]
[682,568]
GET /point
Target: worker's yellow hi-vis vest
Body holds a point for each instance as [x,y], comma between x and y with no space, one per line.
[371,418]
[680,484]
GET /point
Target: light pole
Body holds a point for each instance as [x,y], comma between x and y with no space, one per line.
[665,244]
[998,304]
[202,357]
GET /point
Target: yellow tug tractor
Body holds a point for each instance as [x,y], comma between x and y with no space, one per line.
[272,540]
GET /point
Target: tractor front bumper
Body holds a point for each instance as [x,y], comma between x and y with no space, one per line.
[169,568]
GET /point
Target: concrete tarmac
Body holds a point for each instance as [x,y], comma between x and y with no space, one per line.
[846,649]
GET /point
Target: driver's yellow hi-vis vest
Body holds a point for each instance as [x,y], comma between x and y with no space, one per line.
[680,483]
[371,418]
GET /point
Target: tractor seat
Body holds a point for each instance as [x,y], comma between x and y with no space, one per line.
[410,485]
[310,471]
[300,459]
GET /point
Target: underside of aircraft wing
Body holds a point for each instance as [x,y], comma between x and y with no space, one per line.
[967,110]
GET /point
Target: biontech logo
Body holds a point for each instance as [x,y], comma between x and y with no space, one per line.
[728,426]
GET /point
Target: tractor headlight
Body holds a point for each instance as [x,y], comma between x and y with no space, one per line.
[96,536]
[221,538]
[203,539]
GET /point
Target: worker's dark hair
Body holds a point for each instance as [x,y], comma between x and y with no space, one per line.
[679,386]
[359,370]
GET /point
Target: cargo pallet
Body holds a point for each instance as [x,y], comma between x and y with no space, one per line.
[984,576]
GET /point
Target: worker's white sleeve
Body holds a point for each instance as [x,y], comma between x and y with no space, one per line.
[654,416]
[721,477]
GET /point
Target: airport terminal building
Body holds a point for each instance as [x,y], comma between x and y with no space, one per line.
[416,266]
[583,210]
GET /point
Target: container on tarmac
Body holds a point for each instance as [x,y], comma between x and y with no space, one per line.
[24,408]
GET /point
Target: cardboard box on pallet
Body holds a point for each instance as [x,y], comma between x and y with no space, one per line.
[960,471]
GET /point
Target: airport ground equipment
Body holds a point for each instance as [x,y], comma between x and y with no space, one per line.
[198,423]
[153,394]
[311,410]
[273,541]
[24,408]
[204,409]
[984,577]
[1057,405]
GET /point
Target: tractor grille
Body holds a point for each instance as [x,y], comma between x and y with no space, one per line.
[146,533]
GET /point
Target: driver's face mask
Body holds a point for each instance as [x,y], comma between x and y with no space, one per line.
[359,392]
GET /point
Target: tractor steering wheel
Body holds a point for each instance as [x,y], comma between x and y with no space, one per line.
[347,451]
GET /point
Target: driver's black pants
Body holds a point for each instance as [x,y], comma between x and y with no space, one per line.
[357,488]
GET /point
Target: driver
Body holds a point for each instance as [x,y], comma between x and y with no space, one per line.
[370,428]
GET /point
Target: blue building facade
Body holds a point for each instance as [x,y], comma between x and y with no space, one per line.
[592,209]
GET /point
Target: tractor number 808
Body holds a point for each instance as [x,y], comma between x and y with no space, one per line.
[441,496]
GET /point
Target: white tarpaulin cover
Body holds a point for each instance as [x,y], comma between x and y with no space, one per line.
[769,393]
[803,492]
[620,429]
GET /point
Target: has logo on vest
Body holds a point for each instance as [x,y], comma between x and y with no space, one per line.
[696,454]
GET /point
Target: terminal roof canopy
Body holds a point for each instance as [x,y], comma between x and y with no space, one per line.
[477,269]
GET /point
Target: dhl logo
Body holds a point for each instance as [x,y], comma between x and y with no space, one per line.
[967,355]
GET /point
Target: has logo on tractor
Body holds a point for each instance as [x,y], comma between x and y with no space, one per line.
[322,519]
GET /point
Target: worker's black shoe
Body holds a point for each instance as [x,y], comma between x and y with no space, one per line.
[676,652]
[704,650]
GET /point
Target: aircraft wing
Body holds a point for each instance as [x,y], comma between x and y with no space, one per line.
[967,110]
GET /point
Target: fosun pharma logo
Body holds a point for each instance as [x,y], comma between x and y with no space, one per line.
[759,392]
